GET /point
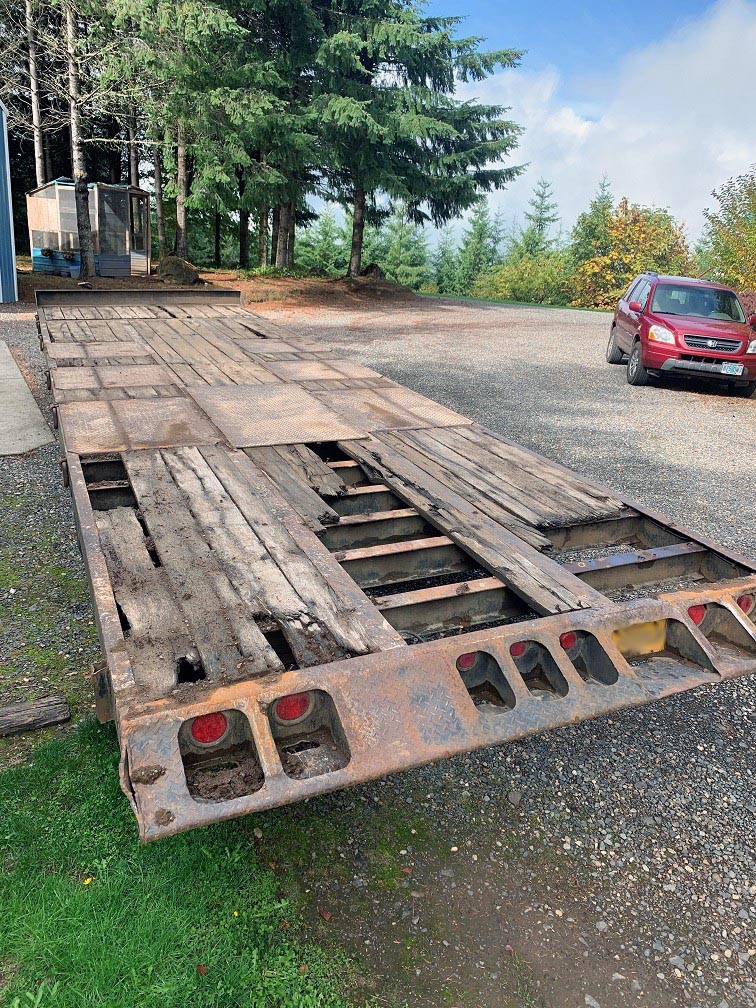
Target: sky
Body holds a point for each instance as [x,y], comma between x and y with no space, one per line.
[658,96]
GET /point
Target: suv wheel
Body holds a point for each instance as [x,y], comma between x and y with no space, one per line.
[613,353]
[744,391]
[636,373]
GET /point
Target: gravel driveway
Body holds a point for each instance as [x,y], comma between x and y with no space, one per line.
[608,864]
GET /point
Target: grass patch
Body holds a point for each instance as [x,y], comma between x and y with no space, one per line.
[90,917]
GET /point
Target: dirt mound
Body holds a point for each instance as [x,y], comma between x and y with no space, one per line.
[313,292]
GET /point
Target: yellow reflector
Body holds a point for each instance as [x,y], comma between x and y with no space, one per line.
[641,638]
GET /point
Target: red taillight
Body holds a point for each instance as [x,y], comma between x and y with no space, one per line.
[209,728]
[746,602]
[466,661]
[568,640]
[293,707]
[697,613]
[517,650]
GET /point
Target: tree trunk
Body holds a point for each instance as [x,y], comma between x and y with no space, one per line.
[244,239]
[262,236]
[358,232]
[217,241]
[282,238]
[133,153]
[182,191]
[39,143]
[78,163]
[159,210]
[274,235]
[290,240]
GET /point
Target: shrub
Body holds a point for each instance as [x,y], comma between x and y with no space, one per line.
[545,279]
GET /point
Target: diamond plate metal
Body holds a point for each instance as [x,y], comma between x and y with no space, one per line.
[390,409]
[92,351]
[122,424]
[111,376]
[251,416]
[310,370]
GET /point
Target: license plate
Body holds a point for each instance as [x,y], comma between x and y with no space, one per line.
[734,369]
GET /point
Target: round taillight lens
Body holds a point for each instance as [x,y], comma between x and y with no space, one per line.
[293,707]
[568,640]
[517,650]
[466,661]
[697,613]
[746,603]
[209,728]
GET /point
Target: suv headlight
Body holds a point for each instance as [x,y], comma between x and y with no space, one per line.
[751,346]
[658,334]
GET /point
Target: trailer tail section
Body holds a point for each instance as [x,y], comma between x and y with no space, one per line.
[305,576]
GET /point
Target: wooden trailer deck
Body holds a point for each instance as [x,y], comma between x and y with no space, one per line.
[262,518]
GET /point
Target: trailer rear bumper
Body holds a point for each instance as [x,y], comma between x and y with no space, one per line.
[401,709]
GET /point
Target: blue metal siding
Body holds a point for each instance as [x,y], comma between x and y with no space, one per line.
[8,290]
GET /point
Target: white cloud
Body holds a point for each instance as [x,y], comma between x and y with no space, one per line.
[675,121]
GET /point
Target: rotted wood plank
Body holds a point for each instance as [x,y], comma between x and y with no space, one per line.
[33,716]
[158,633]
[458,475]
[223,624]
[540,581]
[243,550]
[290,481]
[322,584]
[584,500]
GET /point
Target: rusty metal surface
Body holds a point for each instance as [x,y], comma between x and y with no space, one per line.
[253,415]
[390,409]
[124,424]
[92,351]
[407,708]
[111,376]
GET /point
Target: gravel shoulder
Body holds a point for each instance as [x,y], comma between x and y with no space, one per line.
[606,864]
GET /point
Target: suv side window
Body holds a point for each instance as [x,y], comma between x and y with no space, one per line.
[641,292]
[628,295]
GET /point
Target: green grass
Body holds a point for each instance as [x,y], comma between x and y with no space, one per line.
[91,918]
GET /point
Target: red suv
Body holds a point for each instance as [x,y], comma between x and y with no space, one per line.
[679,326]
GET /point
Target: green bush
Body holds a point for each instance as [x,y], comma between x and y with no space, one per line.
[545,279]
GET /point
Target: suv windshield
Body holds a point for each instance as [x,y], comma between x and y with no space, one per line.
[701,302]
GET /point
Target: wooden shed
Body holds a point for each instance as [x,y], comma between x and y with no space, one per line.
[120,216]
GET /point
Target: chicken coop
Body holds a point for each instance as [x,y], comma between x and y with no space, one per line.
[120,218]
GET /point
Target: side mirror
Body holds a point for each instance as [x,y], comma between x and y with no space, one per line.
[635,306]
[752,321]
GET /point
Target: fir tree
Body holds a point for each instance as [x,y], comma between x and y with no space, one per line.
[321,247]
[590,236]
[445,264]
[535,240]
[479,250]
[406,259]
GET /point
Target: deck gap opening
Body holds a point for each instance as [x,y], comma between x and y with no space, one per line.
[189,669]
[280,645]
[123,620]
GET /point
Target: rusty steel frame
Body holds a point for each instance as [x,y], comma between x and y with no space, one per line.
[401,707]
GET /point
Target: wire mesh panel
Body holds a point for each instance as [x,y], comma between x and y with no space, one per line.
[114,221]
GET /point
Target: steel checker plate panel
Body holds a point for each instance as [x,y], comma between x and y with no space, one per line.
[92,351]
[310,370]
[251,416]
[390,409]
[240,372]
[122,424]
[111,376]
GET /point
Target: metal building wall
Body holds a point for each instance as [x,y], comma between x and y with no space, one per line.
[8,287]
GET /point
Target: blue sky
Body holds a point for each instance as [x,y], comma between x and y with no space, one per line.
[656,95]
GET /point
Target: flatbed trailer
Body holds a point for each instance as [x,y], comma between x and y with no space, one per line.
[305,576]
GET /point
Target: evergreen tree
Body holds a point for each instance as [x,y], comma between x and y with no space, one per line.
[479,250]
[535,240]
[406,259]
[730,238]
[321,247]
[590,236]
[445,264]
[389,121]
